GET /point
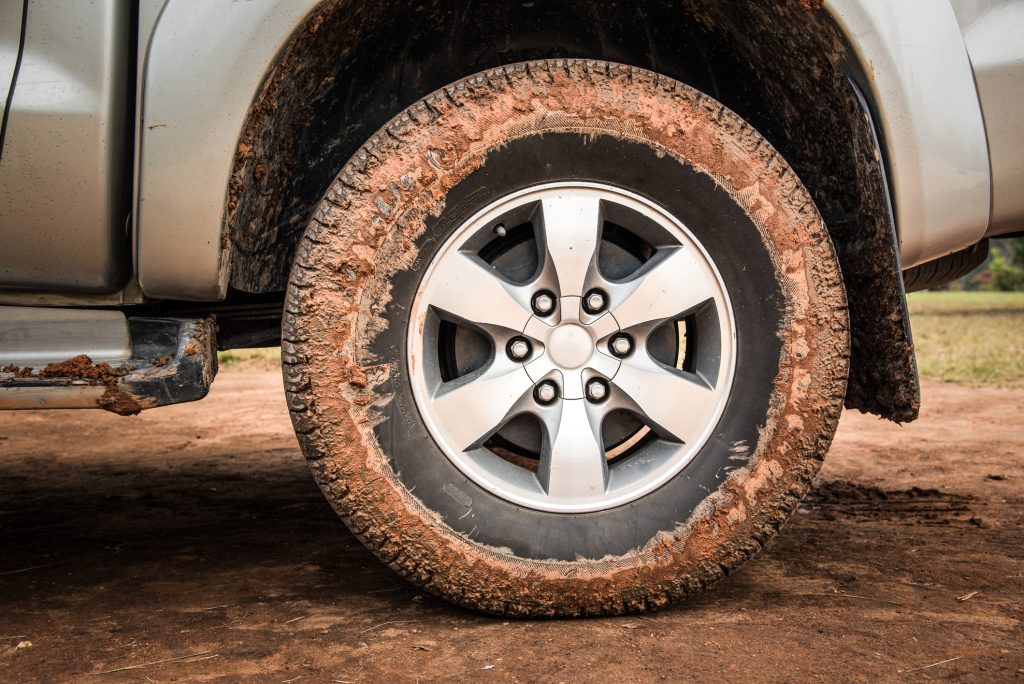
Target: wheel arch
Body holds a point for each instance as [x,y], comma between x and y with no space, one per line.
[785,67]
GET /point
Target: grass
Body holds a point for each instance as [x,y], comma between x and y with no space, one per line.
[971,338]
[250,359]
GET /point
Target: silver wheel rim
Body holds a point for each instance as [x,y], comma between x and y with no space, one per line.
[596,348]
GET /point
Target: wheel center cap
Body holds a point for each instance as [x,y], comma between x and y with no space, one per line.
[570,346]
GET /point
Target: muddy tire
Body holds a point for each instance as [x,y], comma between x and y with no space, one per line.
[711,419]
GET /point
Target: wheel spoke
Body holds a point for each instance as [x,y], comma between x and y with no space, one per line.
[574,465]
[605,365]
[572,232]
[678,404]
[671,284]
[467,289]
[470,409]
[604,326]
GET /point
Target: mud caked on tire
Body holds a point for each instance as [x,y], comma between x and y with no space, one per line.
[453,341]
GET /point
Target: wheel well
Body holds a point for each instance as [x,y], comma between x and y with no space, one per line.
[785,67]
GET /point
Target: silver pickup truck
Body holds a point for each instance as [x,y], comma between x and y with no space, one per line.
[569,294]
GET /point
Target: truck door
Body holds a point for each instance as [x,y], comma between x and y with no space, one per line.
[65,171]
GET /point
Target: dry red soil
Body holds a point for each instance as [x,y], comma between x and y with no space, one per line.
[190,544]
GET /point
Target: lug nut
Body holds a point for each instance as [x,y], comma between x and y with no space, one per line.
[594,302]
[597,390]
[518,348]
[546,392]
[621,345]
[543,303]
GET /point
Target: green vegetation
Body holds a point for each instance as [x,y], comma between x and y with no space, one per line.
[969,337]
[250,359]
[1003,271]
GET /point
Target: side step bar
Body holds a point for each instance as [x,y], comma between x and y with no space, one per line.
[172,360]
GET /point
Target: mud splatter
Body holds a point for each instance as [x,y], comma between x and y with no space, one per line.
[77,368]
[81,367]
[121,402]
[17,372]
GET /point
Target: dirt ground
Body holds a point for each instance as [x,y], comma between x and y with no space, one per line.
[190,544]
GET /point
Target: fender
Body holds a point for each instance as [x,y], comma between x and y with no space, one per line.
[203,68]
[922,87]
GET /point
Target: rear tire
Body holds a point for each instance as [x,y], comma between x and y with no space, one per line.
[482,509]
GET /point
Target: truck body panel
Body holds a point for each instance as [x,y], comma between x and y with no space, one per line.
[994,35]
[65,172]
[204,67]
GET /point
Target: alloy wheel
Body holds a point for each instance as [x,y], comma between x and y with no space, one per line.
[573,347]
